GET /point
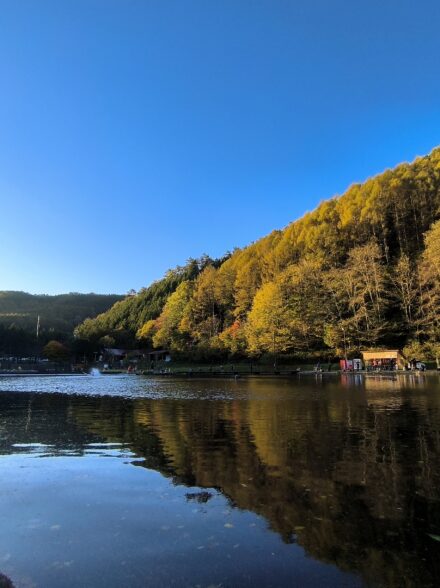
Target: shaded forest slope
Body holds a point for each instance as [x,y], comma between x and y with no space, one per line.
[59,315]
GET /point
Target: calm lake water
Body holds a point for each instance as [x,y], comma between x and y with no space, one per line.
[125,481]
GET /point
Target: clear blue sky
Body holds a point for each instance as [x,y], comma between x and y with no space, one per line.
[135,134]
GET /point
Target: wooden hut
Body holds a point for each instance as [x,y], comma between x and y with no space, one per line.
[389,359]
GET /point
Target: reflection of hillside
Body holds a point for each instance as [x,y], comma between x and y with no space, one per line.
[351,474]
[37,418]
[352,478]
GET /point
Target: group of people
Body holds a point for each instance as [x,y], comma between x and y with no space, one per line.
[414,365]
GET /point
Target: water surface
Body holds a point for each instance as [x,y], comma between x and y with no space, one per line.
[131,481]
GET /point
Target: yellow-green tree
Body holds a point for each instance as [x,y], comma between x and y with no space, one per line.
[267,326]
[306,303]
[430,284]
[203,315]
[407,291]
[233,338]
[170,332]
[146,333]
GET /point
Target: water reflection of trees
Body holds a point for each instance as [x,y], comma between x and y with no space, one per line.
[352,475]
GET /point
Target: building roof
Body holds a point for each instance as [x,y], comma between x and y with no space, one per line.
[387,354]
[114,352]
[158,352]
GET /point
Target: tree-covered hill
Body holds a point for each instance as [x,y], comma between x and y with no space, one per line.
[59,315]
[121,322]
[360,270]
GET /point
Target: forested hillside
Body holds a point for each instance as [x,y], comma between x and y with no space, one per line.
[120,324]
[59,315]
[361,270]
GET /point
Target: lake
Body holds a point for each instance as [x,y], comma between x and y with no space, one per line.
[130,481]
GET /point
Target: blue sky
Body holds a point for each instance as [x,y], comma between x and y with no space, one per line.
[136,134]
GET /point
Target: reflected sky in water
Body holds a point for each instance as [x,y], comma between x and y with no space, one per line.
[131,481]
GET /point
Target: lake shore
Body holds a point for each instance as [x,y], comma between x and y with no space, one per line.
[198,373]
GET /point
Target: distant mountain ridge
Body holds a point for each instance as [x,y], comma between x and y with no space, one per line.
[58,314]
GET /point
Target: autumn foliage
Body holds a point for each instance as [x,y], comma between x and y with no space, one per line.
[363,269]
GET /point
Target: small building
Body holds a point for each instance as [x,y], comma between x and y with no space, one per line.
[390,359]
[350,365]
[158,355]
[111,357]
[115,354]
[135,355]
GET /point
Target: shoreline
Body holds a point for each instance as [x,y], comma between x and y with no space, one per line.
[285,374]
[228,375]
